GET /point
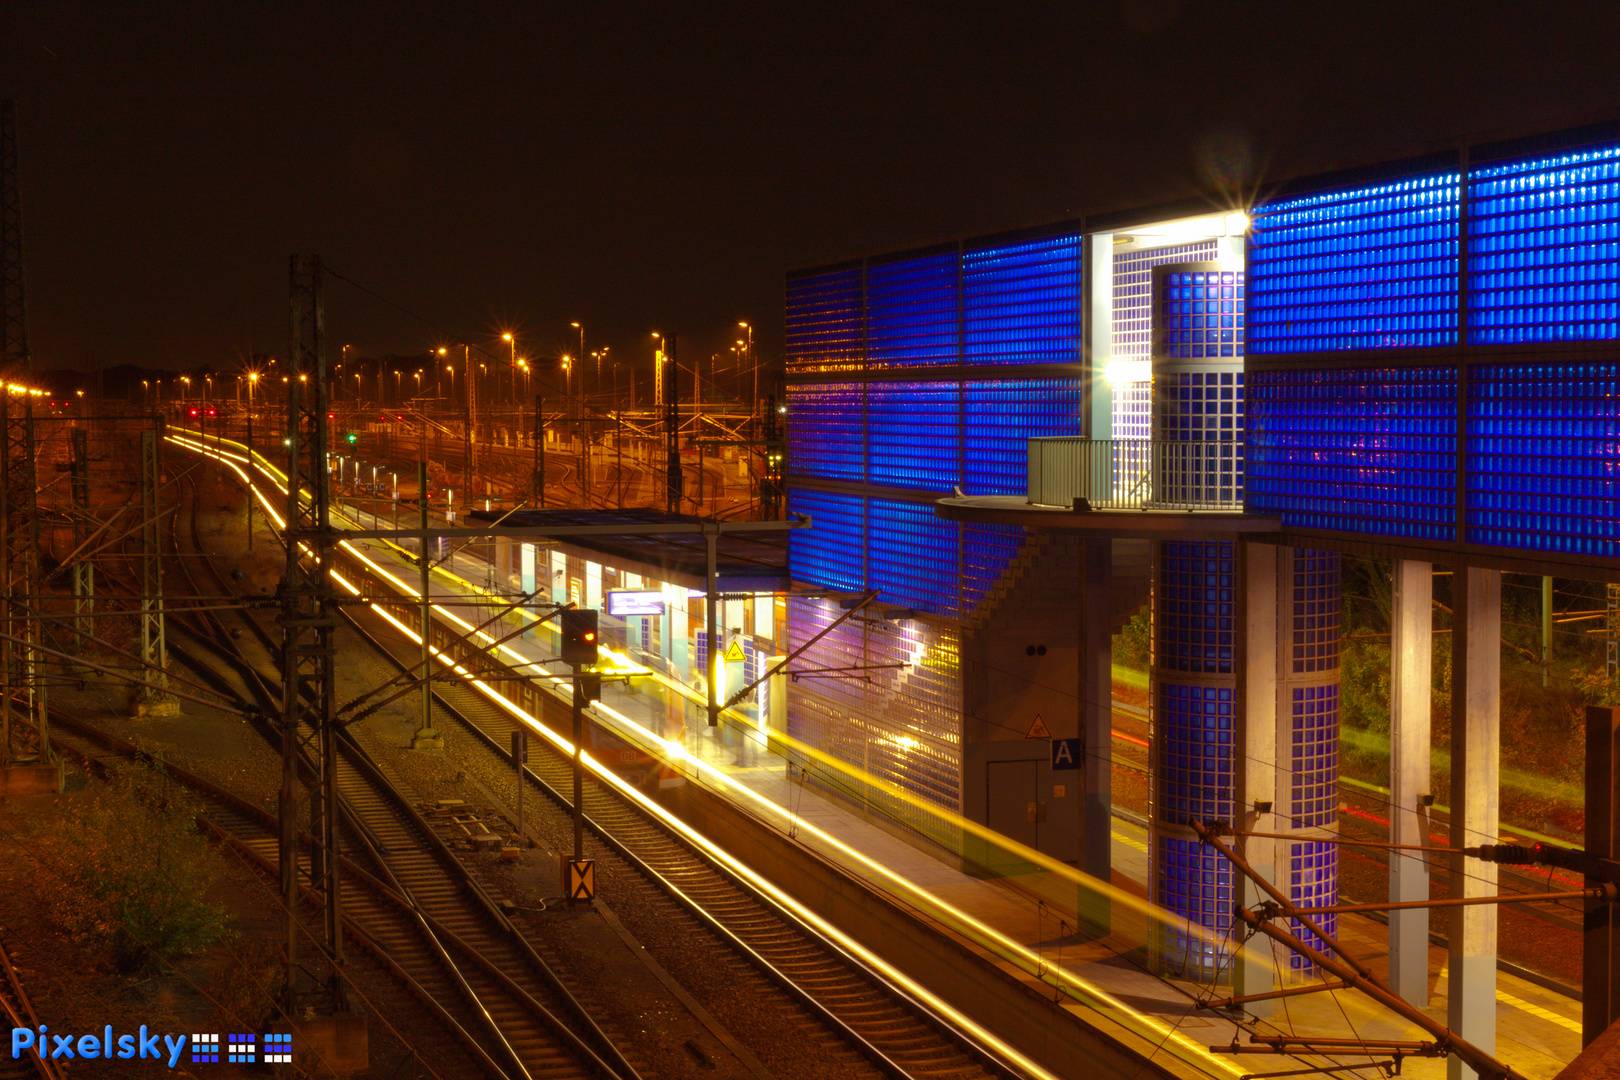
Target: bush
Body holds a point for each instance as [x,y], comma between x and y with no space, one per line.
[1134,643]
[133,870]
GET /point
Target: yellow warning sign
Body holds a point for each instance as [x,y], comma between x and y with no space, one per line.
[734,653]
[1038,730]
[581,879]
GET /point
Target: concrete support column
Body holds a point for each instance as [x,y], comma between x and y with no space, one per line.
[1096,698]
[1600,954]
[1476,662]
[1411,658]
[1255,770]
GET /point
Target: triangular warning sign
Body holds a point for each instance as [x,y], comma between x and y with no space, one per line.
[1038,730]
[734,653]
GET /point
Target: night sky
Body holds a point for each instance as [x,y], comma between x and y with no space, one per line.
[493,166]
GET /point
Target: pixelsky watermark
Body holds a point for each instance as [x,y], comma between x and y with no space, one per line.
[275,1049]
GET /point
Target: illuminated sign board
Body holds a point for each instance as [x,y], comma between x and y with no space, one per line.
[634,602]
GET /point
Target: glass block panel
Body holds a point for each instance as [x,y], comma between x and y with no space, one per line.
[1313,881]
[1200,407]
[999,419]
[986,552]
[824,431]
[1314,717]
[1021,302]
[1195,882]
[1193,779]
[1544,249]
[824,321]
[1544,456]
[912,556]
[912,433]
[1316,611]
[1359,450]
[829,553]
[911,312]
[1133,327]
[1369,267]
[1201,314]
[1194,617]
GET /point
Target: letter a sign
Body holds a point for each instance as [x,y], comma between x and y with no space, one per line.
[1065,754]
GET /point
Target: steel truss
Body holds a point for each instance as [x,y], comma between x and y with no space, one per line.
[308,622]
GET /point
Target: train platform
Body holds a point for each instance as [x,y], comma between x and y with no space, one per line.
[1019,920]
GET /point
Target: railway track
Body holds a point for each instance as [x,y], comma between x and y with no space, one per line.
[809,975]
[411,902]
[19,1011]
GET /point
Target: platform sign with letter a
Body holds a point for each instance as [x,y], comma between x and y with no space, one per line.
[579,880]
[1066,754]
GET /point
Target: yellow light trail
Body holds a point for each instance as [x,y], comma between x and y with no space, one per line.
[1080,989]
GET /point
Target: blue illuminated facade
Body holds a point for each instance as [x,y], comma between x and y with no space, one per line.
[1421,355]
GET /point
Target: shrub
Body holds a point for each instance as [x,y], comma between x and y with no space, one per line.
[133,871]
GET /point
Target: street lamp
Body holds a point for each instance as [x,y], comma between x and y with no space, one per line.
[187,386]
[568,378]
[581,328]
[748,348]
[511,340]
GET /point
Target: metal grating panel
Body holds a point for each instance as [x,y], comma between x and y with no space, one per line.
[1371,267]
[1544,457]
[1544,249]
[1021,302]
[824,431]
[824,321]
[1363,450]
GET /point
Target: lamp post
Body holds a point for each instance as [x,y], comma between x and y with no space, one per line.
[748,353]
[186,385]
[512,341]
[581,328]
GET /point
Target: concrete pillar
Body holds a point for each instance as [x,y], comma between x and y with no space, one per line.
[1600,954]
[1411,657]
[1255,772]
[1476,662]
[1096,697]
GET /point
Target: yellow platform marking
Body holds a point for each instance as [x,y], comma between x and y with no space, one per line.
[1538,1010]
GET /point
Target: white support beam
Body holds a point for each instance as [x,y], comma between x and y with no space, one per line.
[1476,694]
[1255,771]
[1411,663]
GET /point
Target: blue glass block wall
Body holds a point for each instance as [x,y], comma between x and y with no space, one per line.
[1021,302]
[912,556]
[1195,882]
[1201,314]
[1132,337]
[911,312]
[831,551]
[1368,450]
[1313,881]
[824,321]
[987,550]
[824,431]
[998,420]
[912,434]
[1314,716]
[1544,456]
[1194,729]
[1195,607]
[1368,267]
[1544,249]
[1315,643]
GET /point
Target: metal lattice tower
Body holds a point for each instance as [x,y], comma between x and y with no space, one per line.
[151,699]
[14,356]
[308,622]
[1612,622]
[22,688]
[84,578]
[770,485]
[673,486]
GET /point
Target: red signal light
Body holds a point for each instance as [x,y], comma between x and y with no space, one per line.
[193,412]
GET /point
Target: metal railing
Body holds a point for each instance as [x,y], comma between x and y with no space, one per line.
[1137,474]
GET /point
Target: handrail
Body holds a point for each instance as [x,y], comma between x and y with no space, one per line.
[1137,474]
